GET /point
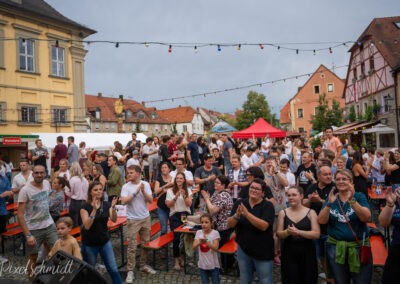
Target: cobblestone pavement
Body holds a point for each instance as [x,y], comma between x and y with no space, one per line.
[162,276]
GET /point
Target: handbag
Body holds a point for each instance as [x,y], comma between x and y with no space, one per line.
[365,251]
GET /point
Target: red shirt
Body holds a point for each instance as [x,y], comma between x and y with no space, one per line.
[60,152]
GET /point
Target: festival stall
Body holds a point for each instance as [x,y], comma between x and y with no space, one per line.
[260,128]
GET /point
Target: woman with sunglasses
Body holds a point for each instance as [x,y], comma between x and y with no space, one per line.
[253,219]
[346,214]
[390,215]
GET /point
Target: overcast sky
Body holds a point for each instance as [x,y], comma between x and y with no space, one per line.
[145,74]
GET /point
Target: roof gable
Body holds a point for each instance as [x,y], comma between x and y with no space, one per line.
[385,34]
[181,114]
[106,106]
[42,9]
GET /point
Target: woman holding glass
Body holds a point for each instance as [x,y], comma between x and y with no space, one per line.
[178,200]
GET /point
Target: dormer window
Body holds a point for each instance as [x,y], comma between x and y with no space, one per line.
[153,115]
[140,115]
[98,113]
[128,113]
[397,25]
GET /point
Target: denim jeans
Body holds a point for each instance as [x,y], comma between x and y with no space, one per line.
[320,246]
[247,264]
[107,254]
[206,274]
[163,218]
[175,222]
[227,166]
[341,272]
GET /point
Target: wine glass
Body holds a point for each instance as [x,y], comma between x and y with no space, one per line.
[183,218]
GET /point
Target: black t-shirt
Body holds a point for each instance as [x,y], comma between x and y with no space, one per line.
[256,243]
[202,173]
[42,156]
[219,162]
[163,153]
[97,235]
[304,182]
[316,206]
[395,175]
[162,196]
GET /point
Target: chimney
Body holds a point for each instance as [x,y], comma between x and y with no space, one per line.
[99,94]
[179,105]
[144,103]
[298,89]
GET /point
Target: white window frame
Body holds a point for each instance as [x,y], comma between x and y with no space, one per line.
[24,56]
[57,62]
[330,84]
[31,118]
[58,112]
[298,112]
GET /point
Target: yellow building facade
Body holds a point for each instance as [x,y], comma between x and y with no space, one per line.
[41,69]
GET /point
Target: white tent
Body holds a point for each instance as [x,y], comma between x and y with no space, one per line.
[97,141]
[379,128]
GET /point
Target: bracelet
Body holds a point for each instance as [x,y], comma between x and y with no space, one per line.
[390,205]
[236,218]
[91,217]
[329,204]
[28,235]
[352,201]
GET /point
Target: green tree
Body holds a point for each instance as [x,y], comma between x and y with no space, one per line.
[352,114]
[254,107]
[325,116]
[369,113]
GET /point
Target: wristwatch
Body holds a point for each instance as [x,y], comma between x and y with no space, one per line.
[28,235]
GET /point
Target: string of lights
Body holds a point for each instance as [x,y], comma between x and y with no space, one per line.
[289,46]
[205,94]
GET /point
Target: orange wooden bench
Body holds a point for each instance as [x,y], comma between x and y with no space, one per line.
[64,213]
[75,231]
[371,225]
[155,228]
[13,234]
[230,247]
[378,250]
[159,243]
[12,225]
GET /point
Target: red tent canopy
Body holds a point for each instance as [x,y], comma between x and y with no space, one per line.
[259,129]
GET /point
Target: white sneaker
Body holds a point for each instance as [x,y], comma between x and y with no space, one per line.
[3,260]
[148,269]
[130,277]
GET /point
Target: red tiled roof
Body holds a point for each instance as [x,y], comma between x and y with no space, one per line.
[384,33]
[106,106]
[284,117]
[181,114]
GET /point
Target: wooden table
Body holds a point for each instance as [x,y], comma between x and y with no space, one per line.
[12,206]
[152,206]
[118,226]
[372,194]
[182,229]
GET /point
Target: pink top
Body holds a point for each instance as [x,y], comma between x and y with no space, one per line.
[78,188]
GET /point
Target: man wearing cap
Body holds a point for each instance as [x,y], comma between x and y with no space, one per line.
[134,160]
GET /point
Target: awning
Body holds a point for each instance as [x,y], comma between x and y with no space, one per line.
[379,128]
[357,127]
[343,129]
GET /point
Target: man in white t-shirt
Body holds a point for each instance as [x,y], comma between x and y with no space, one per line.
[134,160]
[24,177]
[284,166]
[135,194]
[246,161]
[181,168]
[34,216]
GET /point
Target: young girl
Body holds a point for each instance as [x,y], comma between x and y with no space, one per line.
[66,243]
[207,240]
[56,198]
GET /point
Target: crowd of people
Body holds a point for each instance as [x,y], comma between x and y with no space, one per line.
[299,207]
